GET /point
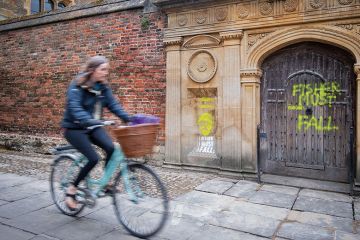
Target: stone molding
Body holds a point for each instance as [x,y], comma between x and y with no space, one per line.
[201,41]
[231,35]
[173,44]
[287,36]
[357,71]
[250,75]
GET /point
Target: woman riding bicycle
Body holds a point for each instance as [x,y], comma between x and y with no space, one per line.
[87,94]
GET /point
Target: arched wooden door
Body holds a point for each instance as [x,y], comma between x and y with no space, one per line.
[307,111]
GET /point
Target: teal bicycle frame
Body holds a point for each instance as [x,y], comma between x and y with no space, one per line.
[116,161]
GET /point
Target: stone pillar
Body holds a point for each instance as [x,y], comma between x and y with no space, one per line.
[231,87]
[250,117]
[173,102]
[357,137]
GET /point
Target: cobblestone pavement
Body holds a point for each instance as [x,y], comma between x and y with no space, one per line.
[36,165]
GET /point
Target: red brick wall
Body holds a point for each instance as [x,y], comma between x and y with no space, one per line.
[38,63]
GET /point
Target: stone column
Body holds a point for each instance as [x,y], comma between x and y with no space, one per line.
[231,126]
[357,137]
[173,102]
[250,117]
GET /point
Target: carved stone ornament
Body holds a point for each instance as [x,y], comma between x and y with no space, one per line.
[221,13]
[253,38]
[345,2]
[266,8]
[202,41]
[202,66]
[182,19]
[201,16]
[290,5]
[242,11]
[316,4]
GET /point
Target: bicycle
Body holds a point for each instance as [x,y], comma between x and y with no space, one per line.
[137,191]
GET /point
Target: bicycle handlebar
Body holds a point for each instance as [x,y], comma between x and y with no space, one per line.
[104,123]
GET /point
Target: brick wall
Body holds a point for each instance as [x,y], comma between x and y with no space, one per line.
[37,64]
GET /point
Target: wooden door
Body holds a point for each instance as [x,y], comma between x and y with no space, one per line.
[307,94]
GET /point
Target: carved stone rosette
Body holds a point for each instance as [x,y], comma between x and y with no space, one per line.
[182,19]
[290,5]
[345,2]
[201,16]
[242,11]
[316,4]
[202,66]
[266,8]
[221,13]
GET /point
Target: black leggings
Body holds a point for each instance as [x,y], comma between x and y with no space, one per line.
[82,140]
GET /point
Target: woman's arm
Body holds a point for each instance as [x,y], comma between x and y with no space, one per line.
[114,106]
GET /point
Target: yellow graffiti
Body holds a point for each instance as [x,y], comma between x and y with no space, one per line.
[315,94]
[318,124]
[206,123]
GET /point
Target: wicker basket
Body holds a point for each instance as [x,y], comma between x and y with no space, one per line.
[137,140]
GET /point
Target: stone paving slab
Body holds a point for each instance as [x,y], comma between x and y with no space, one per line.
[357,210]
[2,202]
[10,180]
[210,200]
[273,199]
[339,235]
[41,221]
[9,233]
[333,208]
[224,179]
[121,235]
[180,209]
[244,191]
[208,232]
[81,229]
[280,189]
[246,182]
[249,223]
[105,215]
[322,220]
[214,186]
[180,229]
[26,205]
[43,237]
[299,231]
[241,207]
[18,192]
[340,197]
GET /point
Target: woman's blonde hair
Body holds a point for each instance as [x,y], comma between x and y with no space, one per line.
[89,68]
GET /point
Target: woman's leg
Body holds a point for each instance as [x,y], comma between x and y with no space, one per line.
[81,141]
[100,138]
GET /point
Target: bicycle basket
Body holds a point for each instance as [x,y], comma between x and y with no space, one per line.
[137,140]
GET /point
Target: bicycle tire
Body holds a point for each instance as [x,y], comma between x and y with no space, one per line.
[58,189]
[157,206]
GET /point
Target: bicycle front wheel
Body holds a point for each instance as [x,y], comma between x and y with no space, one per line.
[64,170]
[142,205]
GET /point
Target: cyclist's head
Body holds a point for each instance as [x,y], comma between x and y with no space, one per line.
[96,67]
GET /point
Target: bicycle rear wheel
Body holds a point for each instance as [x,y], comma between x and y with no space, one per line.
[64,171]
[146,216]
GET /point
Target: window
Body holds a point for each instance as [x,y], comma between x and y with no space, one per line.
[35,6]
[49,5]
[61,5]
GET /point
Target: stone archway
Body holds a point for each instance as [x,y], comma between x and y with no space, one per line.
[251,73]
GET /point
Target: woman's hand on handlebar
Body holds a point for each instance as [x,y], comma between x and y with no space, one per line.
[100,123]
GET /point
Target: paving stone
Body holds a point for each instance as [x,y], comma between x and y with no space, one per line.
[245,182]
[10,233]
[224,179]
[82,229]
[26,205]
[41,221]
[241,207]
[322,220]
[210,200]
[105,215]
[340,197]
[117,235]
[357,210]
[280,189]
[2,202]
[43,237]
[10,180]
[41,185]
[245,191]
[299,231]
[209,232]
[245,222]
[180,209]
[214,186]
[333,208]
[273,199]
[18,192]
[339,235]
[180,229]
